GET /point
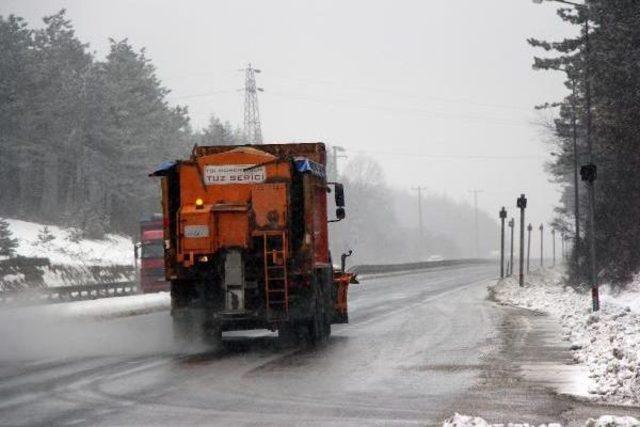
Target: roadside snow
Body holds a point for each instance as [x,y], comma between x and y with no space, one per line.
[104,308]
[71,263]
[112,250]
[459,420]
[630,297]
[607,343]
[613,421]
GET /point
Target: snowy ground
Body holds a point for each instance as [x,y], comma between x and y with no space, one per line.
[112,250]
[605,421]
[607,344]
[71,262]
[105,308]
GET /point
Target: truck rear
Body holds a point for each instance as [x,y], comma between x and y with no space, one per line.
[246,241]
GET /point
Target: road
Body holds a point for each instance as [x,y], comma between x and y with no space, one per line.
[418,348]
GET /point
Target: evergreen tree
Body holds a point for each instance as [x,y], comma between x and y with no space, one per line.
[44,235]
[8,244]
[219,133]
[613,65]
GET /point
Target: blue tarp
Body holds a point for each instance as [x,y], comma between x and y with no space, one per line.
[303,165]
[163,168]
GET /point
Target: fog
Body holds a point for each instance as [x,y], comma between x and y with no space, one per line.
[440,93]
[37,334]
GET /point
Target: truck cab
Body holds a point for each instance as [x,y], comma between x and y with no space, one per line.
[149,252]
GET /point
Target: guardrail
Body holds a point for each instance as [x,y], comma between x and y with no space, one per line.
[107,290]
[70,293]
[411,266]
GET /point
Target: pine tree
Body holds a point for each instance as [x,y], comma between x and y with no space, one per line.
[613,62]
[8,244]
[45,235]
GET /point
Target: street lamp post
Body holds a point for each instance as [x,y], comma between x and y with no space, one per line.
[521,203]
[541,245]
[529,228]
[511,225]
[503,216]
[553,245]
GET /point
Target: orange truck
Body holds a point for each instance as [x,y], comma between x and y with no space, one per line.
[246,241]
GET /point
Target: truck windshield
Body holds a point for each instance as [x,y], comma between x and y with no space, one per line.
[152,250]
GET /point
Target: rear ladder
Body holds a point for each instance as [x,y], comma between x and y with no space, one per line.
[275,275]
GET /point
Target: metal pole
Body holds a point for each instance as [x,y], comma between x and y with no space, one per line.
[522,204]
[503,215]
[576,191]
[595,297]
[529,228]
[512,225]
[334,170]
[553,244]
[420,224]
[541,246]
[476,235]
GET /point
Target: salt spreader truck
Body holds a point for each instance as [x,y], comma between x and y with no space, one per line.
[246,241]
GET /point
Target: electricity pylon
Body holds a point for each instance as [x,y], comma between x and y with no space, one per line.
[252,130]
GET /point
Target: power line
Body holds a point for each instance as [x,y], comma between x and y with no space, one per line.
[448,156]
[200,95]
[420,111]
[419,189]
[475,220]
[370,89]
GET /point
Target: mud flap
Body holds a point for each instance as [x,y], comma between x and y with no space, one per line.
[234,281]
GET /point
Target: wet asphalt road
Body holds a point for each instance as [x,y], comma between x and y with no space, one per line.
[418,348]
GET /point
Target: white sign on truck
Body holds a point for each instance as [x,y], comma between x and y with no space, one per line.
[234,174]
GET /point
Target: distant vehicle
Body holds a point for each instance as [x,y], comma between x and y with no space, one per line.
[248,242]
[150,253]
[434,258]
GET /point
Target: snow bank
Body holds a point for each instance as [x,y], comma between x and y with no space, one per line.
[629,297]
[612,421]
[112,250]
[71,262]
[607,343]
[104,308]
[604,421]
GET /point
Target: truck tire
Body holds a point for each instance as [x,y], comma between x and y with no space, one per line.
[289,334]
[187,327]
[212,333]
[320,324]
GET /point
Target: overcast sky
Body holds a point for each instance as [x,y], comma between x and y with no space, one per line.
[441,92]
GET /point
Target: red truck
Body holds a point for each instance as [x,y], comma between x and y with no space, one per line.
[150,252]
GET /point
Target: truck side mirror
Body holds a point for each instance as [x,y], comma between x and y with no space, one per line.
[339,196]
[340,214]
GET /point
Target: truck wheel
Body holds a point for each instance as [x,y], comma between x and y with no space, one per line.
[327,328]
[288,334]
[186,327]
[212,334]
[318,331]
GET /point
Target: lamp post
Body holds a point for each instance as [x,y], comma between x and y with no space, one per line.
[553,245]
[521,203]
[529,228]
[541,245]
[503,215]
[511,225]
